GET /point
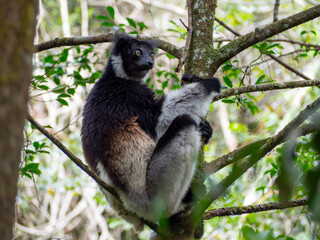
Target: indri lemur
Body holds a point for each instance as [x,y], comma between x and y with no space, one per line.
[143,146]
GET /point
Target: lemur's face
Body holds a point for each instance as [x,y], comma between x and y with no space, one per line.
[137,57]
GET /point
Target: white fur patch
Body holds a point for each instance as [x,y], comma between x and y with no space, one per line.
[103,174]
[117,65]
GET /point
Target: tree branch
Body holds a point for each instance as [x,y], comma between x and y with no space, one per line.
[72,157]
[265,87]
[238,45]
[315,46]
[74,41]
[242,152]
[231,211]
[242,167]
[276,10]
[185,50]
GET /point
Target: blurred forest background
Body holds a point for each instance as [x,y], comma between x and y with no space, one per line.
[57,200]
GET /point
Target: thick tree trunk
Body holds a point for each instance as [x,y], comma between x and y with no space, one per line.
[17,18]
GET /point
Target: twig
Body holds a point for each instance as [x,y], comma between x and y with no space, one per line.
[230,29]
[289,67]
[276,10]
[231,211]
[242,167]
[189,28]
[265,87]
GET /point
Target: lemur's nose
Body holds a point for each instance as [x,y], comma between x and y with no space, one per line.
[150,63]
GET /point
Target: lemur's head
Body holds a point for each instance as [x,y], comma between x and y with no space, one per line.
[132,58]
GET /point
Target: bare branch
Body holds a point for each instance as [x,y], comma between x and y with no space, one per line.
[74,41]
[265,87]
[185,50]
[276,10]
[289,67]
[261,33]
[231,211]
[228,27]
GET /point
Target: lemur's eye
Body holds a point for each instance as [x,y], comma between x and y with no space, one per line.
[138,53]
[151,55]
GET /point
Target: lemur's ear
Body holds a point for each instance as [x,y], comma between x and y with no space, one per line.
[120,39]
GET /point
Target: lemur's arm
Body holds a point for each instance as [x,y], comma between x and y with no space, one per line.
[193,99]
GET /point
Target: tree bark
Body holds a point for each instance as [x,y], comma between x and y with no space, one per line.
[16,40]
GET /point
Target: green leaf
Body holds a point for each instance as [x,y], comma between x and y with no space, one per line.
[227,81]
[170,56]
[56,79]
[111,11]
[64,95]
[62,102]
[273,45]
[228,101]
[30,151]
[102,17]
[60,71]
[59,88]
[263,46]
[71,91]
[165,84]
[36,145]
[132,22]
[226,67]
[43,87]
[303,32]
[30,168]
[249,233]
[64,55]
[95,75]
[108,24]
[134,32]
[260,79]
[77,75]
[49,59]
[142,26]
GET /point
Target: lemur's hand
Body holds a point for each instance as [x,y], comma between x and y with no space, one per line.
[206,131]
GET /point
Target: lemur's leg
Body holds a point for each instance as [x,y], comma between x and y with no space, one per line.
[173,162]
